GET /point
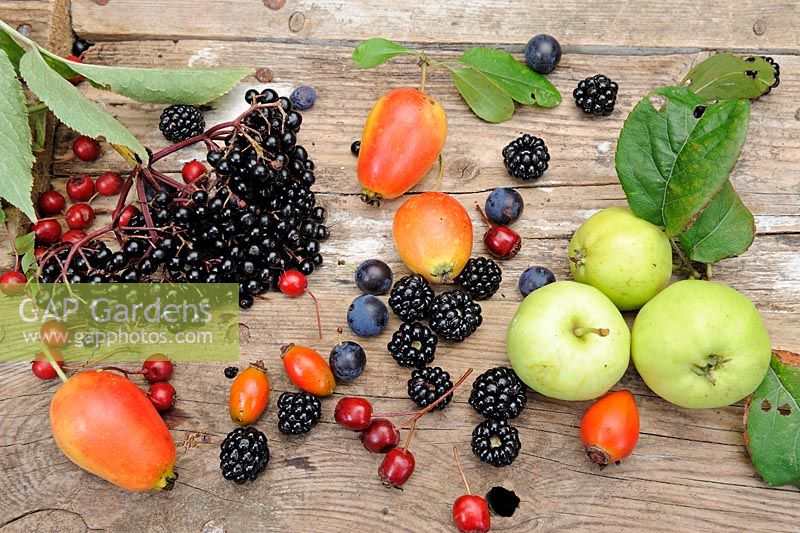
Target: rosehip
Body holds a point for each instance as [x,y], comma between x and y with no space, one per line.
[610,428]
[79,216]
[249,394]
[501,241]
[308,370]
[192,171]
[380,436]
[86,148]
[127,213]
[42,368]
[80,187]
[73,236]
[47,231]
[51,202]
[109,184]
[396,467]
[157,368]
[162,396]
[354,414]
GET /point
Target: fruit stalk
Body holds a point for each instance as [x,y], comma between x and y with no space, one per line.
[412,422]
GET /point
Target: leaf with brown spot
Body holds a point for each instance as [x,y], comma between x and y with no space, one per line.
[772,421]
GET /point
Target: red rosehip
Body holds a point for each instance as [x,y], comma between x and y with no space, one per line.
[380,436]
[86,148]
[192,170]
[80,187]
[354,414]
[47,231]
[162,396]
[396,467]
[51,202]
[42,368]
[109,184]
[157,368]
[79,216]
[73,236]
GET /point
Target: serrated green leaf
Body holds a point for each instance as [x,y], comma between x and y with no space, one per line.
[482,96]
[25,243]
[724,229]
[16,155]
[517,80]
[373,52]
[730,77]
[72,108]
[674,160]
[161,85]
[13,50]
[772,422]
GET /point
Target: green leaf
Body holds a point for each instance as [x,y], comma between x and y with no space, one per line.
[730,77]
[26,246]
[70,106]
[482,96]
[724,229]
[13,50]
[772,420]
[161,85]
[373,52]
[517,80]
[16,156]
[671,163]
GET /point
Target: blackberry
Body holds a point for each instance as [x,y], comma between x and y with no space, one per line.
[244,454]
[498,394]
[480,277]
[179,122]
[411,297]
[596,95]
[231,371]
[526,158]
[414,344]
[496,442]
[427,385]
[455,316]
[298,412]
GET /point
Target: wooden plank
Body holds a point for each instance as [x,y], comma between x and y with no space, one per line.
[766,24]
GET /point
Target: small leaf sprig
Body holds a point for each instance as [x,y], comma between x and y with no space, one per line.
[490,81]
[46,75]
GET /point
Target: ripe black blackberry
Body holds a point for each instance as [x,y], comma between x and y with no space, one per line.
[454,315]
[498,394]
[496,442]
[596,95]
[179,122]
[244,454]
[410,298]
[298,412]
[427,385]
[480,277]
[413,344]
[526,158]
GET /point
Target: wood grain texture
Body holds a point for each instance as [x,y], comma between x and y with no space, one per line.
[767,24]
[690,470]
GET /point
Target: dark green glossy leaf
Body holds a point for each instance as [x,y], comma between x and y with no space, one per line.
[483,97]
[373,52]
[730,77]
[773,422]
[673,160]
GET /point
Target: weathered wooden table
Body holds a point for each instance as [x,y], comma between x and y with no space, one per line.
[690,469]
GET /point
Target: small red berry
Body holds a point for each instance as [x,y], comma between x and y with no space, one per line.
[471,514]
[109,184]
[51,202]
[76,79]
[80,187]
[79,216]
[162,396]
[73,236]
[12,282]
[293,283]
[501,241]
[47,231]
[53,333]
[380,436]
[396,467]
[157,368]
[127,213]
[39,251]
[42,368]
[354,414]
[86,148]
[192,170]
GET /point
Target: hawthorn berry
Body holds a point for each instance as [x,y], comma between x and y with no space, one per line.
[73,236]
[42,368]
[192,171]
[51,202]
[162,395]
[79,216]
[109,184]
[157,368]
[86,148]
[80,187]
[47,231]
